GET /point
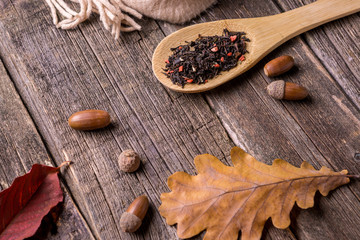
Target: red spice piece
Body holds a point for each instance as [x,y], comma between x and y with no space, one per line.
[215,49]
[167,61]
[212,53]
[242,58]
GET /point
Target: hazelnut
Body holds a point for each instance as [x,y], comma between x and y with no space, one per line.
[129,161]
[131,220]
[286,90]
[89,119]
[278,66]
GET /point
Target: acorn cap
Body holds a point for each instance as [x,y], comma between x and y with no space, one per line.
[129,161]
[276,89]
[129,222]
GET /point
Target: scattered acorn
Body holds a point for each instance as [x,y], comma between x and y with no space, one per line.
[286,90]
[278,66]
[131,220]
[129,161]
[89,119]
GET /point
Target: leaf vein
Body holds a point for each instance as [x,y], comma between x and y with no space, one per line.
[241,207]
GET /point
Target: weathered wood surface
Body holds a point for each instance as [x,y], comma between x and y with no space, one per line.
[21,147]
[60,72]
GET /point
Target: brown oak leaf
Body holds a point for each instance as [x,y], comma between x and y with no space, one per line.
[30,197]
[224,200]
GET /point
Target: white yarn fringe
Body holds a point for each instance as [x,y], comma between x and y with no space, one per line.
[110,11]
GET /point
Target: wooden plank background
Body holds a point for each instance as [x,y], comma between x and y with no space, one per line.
[22,147]
[50,74]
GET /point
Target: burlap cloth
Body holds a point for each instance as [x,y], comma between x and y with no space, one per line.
[117,15]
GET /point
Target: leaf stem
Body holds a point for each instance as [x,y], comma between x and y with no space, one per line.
[63,164]
[353,176]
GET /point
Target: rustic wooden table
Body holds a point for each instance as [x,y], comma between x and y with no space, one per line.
[47,74]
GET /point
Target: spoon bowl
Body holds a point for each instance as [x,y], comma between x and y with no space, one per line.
[265,34]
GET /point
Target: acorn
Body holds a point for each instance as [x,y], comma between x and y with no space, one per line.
[89,119]
[131,220]
[279,66]
[129,161]
[286,90]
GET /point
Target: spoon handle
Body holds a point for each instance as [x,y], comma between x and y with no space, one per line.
[315,14]
[277,29]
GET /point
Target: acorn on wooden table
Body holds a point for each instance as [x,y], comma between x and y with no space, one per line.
[129,161]
[279,66]
[89,119]
[131,220]
[286,90]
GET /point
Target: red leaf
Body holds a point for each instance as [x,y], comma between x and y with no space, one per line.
[27,201]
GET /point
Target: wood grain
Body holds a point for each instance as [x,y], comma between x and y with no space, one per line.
[336,45]
[21,148]
[166,130]
[60,72]
[266,34]
[317,130]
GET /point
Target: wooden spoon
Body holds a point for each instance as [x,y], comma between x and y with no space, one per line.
[265,33]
